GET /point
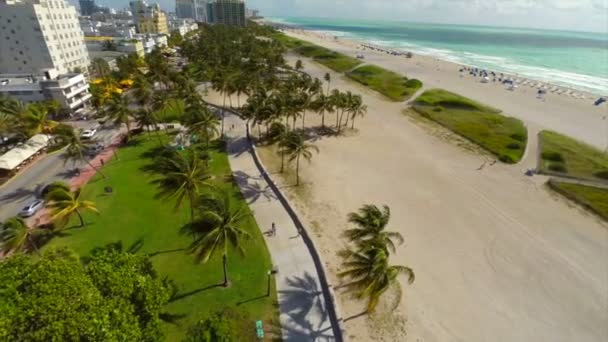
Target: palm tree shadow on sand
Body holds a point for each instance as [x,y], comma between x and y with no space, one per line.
[303,300]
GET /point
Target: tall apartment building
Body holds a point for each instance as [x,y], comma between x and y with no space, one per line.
[39,35]
[184,9]
[87,7]
[200,9]
[227,12]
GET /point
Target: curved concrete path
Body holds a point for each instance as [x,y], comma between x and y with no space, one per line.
[306,309]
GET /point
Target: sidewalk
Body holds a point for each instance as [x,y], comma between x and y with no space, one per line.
[303,302]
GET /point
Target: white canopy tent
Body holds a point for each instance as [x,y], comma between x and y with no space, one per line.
[13,158]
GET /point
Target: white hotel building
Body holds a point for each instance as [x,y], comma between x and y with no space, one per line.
[38,35]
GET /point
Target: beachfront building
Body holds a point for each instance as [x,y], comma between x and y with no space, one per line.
[70,90]
[39,35]
[226,12]
[149,19]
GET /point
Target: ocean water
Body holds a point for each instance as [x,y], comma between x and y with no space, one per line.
[574,59]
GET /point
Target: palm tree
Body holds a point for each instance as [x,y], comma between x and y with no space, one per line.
[372,275]
[327,78]
[370,224]
[64,203]
[35,120]
[119,111]
[181,177]
[8,123]
[75,148]
[221,229]
[142,91]
[299,65]
[297,147]
[357,108]
[147,118]
[204,124]
[17,236]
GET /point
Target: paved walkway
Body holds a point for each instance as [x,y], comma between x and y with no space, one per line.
[304,314]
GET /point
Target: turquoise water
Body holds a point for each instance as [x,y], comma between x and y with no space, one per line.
[574,59]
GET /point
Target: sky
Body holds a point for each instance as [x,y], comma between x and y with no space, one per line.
[576,15]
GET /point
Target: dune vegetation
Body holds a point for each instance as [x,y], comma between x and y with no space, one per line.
[503,136]
[566,156]
[390,84]
[591,198]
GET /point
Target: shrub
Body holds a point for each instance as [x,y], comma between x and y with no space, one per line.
[438,109]
[506,159]
[601,174]
[276,129]
[514,146]
[227,325]
[413,83]
[558,167]
[518,137]
[553,156]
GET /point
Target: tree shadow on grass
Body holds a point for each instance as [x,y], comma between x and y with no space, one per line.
[153,254]
[118,247]
[171,318]
[179,296]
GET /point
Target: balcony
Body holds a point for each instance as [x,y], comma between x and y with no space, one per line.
[76,91]
[78,101]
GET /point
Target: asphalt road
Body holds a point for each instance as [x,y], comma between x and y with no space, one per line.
[23,188]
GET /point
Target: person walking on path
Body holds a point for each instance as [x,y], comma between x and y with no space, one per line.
[274,229]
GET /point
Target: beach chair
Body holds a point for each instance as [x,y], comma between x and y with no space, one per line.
[259,328]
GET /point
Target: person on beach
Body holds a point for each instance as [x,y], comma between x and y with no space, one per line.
[274,229]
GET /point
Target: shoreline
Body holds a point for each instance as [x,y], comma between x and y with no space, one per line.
[552,86]
[577,117]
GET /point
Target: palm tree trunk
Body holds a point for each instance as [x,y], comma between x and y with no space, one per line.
[337,115]
[95,168]
[29,239]
[346,124]
[298,170]
[323,118]
[303,118]
[223,106]
[282,161]
[224,264]
[353,122]
[80,218]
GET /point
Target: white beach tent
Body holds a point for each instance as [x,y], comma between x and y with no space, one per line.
[19,154]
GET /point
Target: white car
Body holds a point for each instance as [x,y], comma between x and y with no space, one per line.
[31,208]
[88,133]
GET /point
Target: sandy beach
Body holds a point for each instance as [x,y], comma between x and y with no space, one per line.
[574,115]
[497,256]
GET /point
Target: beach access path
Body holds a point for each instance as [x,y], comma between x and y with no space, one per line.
[303,304]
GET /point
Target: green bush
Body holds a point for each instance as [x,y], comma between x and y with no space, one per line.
[438,109]
[553,156]
[557,167]
[228,325]
[514,146]
[275,130]
[601,174]
[413,83]
[506,159]
[519,137]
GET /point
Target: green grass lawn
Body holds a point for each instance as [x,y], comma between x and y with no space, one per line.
[564,155]
[392,85]
[503,136]
[331,59]
[131,215]
[594,199]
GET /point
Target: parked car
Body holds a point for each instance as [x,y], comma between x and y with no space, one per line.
[31,208]
[88,133]
[95,149]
